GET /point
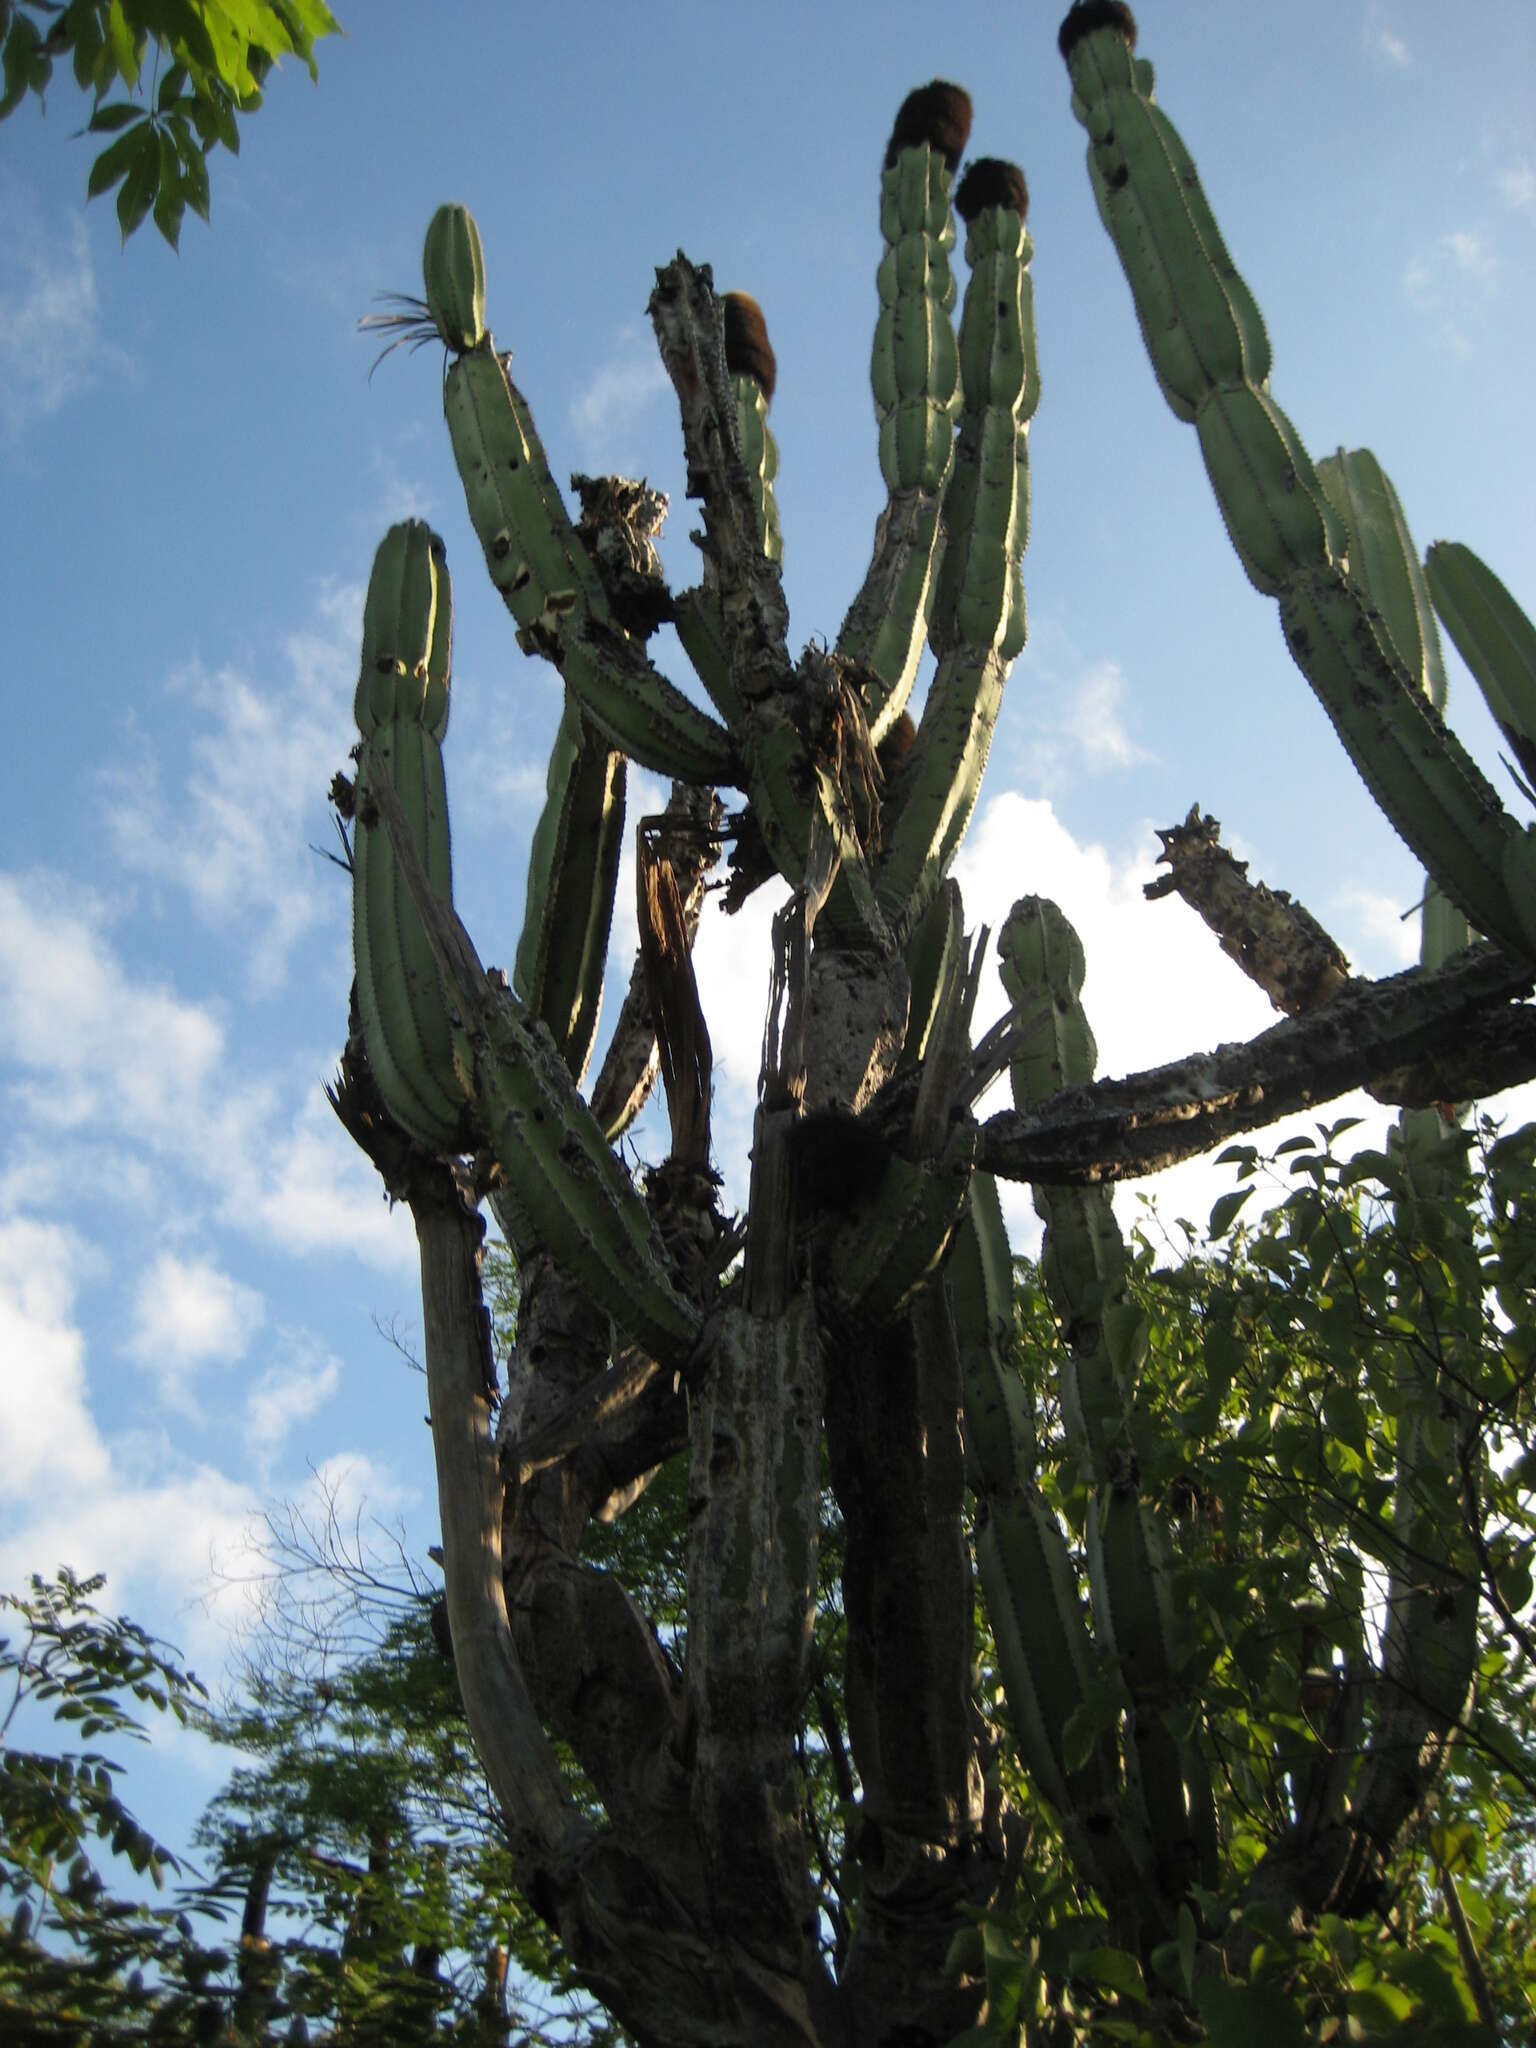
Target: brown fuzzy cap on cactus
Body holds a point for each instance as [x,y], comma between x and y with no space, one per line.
[938,114]
[453,270]
[991,181]
[1089,15]
[747,349]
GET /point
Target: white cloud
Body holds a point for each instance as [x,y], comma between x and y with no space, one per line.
[286,1395]
[49,348]
[47,1437]
[1385,941]
[624,385]
[1443,281]
[1381,40]
[70,1499]
[187,1314]
[235,837]
[1518,186]
[95,1039]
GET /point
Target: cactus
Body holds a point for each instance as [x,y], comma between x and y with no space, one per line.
[865,1304]
[1211,359]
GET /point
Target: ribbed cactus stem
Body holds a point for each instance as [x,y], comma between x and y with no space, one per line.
[977,626]
[401,706]
[1211,358]
[1084,1265]
[573,869]
[916,381]
[545,576]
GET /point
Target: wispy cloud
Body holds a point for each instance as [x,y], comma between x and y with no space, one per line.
[233,837]
[1517,187]
[1078,718]
[103,1060]
[1381,40]
[1442,282]
[285,1396]
[188,1314]
[625,384]
[49,346]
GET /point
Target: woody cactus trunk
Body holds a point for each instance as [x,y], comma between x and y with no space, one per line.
[855,1330]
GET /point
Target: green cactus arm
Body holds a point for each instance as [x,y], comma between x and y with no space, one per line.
[401,705]
[914,347]
[1384,563]
[550,584]
[563,1184]
[977,625]
[1493,637]
[1211,360]
[1084,1266]
[573,872]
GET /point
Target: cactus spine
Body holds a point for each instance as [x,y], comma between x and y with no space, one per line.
[1211,359]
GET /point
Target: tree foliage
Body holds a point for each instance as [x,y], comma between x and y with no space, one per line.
[169,81]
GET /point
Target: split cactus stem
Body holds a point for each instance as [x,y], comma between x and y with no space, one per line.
[1084,1265]
[753,371]
[546,577]
[1211,357]
[915,373]
[977,625]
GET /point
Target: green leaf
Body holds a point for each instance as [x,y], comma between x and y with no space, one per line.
[169,207]
[114,115]
[1114,1969]
[1345,1416]
[194,180]
[170,88]
[141,183]
[124,43]
[1078,1738]
[1250,2016]
[1224,1211]
[114,162]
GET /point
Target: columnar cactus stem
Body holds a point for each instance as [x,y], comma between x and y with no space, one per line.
[401,706]
[546,578]
[1083,1264]
[916,381]
[573,868]
[1211,358]
[978,621]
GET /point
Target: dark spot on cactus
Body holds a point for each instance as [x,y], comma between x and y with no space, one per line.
[896,745]
[839,1159]
[501,545]
[1118,178]
[747,351]
[514,462]
[990,181]
[522,579]
[1089,15]
[938,114]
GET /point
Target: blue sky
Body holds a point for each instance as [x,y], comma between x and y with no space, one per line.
[195,470]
